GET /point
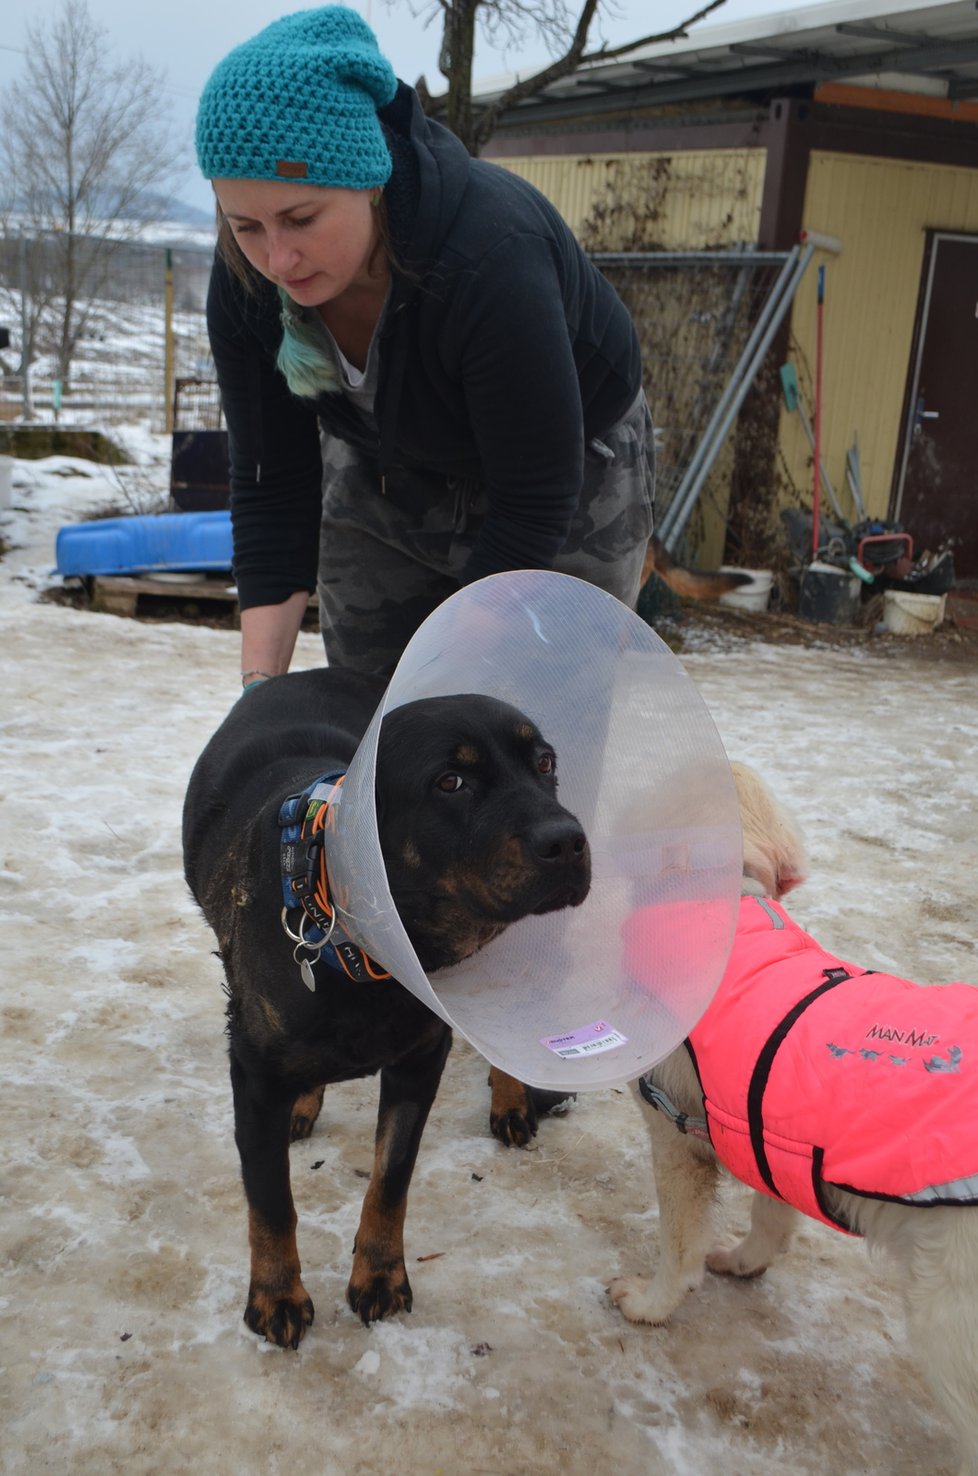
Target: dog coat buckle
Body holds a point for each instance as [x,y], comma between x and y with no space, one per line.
[695,1127]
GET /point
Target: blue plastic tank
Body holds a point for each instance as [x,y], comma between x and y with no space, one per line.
[142,545]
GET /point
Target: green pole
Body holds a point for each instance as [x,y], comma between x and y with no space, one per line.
[168,343]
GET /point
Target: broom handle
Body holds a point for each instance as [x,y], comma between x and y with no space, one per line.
[816,484]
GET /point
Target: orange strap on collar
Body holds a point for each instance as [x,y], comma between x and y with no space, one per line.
[305,819]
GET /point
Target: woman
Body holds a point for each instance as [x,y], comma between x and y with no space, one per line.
[425,380]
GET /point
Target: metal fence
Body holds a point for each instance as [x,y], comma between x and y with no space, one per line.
[143,328]
[695,312]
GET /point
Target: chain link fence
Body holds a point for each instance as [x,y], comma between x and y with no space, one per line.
[142,328]
[695,312]
[145,346]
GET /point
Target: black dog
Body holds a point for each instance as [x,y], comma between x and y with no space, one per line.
[473,839]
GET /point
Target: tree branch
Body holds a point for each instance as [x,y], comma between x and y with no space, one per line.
[678,33]
[565,66]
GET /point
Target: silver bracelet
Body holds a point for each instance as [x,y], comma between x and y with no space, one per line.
[263,676]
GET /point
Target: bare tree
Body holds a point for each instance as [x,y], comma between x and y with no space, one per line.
[507,22]
[86,150]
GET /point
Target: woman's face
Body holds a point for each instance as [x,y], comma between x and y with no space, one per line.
[313,241]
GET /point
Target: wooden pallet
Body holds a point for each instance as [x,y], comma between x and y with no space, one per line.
[131,595]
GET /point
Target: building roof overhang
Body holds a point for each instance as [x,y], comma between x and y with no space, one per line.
[892,45]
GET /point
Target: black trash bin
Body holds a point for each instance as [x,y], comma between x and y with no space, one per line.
[199,470]
[829,594]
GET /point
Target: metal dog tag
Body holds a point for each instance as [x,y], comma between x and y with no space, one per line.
[305,967]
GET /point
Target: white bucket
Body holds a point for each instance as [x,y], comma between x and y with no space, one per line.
[753,596]
[910,614]
[6,483]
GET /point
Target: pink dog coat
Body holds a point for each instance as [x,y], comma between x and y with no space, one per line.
[814,1069]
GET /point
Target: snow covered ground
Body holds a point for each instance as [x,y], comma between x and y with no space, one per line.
[122,1226]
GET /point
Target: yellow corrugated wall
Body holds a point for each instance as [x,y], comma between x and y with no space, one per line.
[708,197]
[880,209]
[679,201]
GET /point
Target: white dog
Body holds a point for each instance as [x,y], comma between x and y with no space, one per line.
[847,1094]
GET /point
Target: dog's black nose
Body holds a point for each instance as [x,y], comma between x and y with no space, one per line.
[559,841]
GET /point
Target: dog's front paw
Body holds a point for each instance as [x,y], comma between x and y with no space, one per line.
[645,1301]
[280,1320]
[514,1128]
[376,1294]
[512,1111]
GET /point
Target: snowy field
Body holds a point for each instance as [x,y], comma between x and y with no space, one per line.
[122,1223]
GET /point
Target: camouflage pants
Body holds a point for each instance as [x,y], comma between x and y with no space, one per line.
[387,560]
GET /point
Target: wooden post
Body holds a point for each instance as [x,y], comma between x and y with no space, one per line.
[817,448]
[168,344]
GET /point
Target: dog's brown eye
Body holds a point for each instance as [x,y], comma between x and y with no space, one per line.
[547,763]
[450,783]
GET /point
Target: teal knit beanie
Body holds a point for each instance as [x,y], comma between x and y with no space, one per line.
[299,102]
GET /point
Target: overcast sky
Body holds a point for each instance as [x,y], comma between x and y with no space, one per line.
[186,39]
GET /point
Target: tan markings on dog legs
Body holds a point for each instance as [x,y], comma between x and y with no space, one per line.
[379,1284]
[512,1117]
[685,1179]
[508,1094]
[771,1225]
[279,1307]
[305,1111]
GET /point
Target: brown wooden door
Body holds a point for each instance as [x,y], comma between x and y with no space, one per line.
[937,493]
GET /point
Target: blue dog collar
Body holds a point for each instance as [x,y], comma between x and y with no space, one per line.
[305,820]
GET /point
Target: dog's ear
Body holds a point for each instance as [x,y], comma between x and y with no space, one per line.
[789,877]
[774,852]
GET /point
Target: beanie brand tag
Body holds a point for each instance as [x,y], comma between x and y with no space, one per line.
[291,169]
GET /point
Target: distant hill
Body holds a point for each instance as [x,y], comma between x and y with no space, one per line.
[165,207]
[163,217]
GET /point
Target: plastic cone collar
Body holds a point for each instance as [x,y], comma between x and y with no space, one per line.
[584,997]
